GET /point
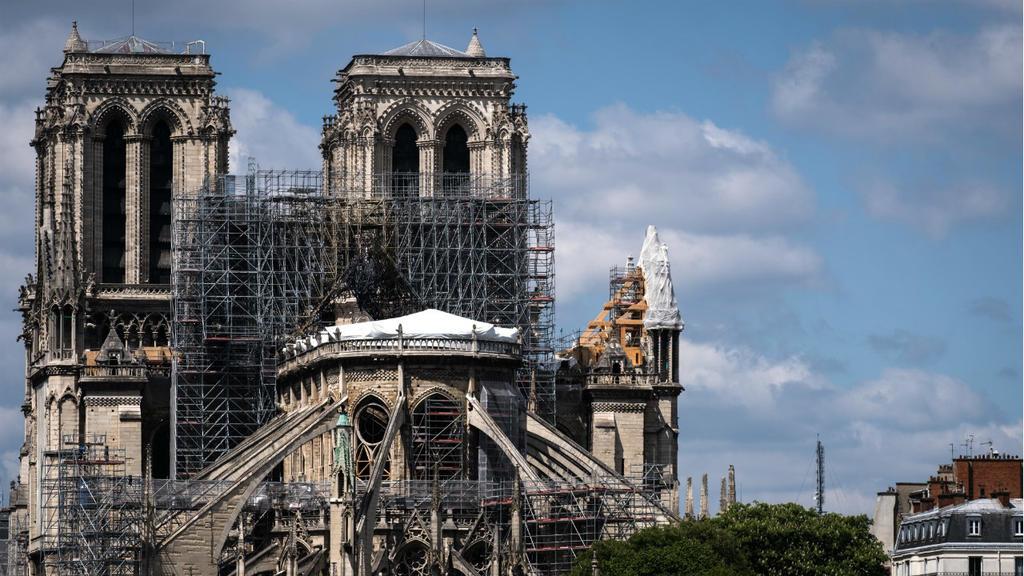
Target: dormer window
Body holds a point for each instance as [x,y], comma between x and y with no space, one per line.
[1018,526]
[974,526]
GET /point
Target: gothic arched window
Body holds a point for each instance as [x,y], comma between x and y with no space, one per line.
[371,422]
[413,561]
[456,151]
[114,215]
[455,162]
[405,163]
[161,159]
[437,438]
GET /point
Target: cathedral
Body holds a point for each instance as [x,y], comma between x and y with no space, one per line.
[346,371]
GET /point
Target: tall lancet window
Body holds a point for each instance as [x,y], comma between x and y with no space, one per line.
[456,151]
[161,159]
[114,216]
[405,163]
[455,162]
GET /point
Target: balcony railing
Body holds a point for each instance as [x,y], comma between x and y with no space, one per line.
[986,573]
[615,380]
[400,345]
[116,371]
[428,184]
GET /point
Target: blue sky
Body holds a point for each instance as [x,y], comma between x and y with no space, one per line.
[838,181]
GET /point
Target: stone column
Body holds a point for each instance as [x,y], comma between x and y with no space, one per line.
[93,217]
[688,512]
[703,497]
[430,170]
[136,223]
[78,191]
[477,155]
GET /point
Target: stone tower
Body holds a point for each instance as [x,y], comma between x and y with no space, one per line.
[127,125]
[628,360]
[424,119]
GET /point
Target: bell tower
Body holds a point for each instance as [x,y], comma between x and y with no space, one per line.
[425,120]
[127,125]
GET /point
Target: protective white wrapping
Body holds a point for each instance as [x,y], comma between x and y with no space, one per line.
[662,308]
[429,323]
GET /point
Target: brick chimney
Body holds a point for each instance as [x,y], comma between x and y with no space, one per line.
[951,499]
[1003,496]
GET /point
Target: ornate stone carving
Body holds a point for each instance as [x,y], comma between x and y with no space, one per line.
[92,401]
[627,407]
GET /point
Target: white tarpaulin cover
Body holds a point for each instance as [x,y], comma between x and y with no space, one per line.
[429,323]
[662,308]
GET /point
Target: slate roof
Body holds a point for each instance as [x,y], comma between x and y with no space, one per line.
[949,525]
[132,45]
[426,48]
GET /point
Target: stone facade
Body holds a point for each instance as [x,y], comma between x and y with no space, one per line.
[432,386]
[437,96]
[976,538]
[625,374]
[468,471]
[123,129]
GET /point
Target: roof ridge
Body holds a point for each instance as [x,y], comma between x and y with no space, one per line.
[425,48]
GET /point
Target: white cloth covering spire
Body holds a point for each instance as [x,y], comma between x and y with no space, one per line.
[662,308]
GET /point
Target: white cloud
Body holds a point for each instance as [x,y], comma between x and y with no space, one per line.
[268,28]
[935,209]
[906,347]
[270,134]
[700,262]
[943,107]
[762,414]
[17,159]
[29,50]
[922,400]
[637,167]
[740,375]
[722,200]
[890,87]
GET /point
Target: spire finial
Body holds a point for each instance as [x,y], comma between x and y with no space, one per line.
[74,42]
[475,49]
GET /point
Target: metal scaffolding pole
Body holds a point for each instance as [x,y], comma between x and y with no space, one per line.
[247,270]
[93,510]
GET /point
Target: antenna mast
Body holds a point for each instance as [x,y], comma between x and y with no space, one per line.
[819,496]
[424,19]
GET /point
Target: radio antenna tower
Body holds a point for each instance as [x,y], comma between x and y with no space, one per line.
[819,496]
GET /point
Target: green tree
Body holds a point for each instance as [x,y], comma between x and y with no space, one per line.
[749,539]
[790,540]
[686,549]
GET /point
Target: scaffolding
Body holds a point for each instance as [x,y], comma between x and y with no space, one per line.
[560,519]
[16,544]
[563,519]
[247,269]
[488,255]
[93,510]
[260,259]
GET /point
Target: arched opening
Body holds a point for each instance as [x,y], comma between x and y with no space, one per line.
[158,437]
[371,422]
[114,215]
[161,160]
[67,328]
[455,162]
[413,561]
[437,438]
[405,162]
[456,151]
[62,329]
[69,420]
[479,555]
